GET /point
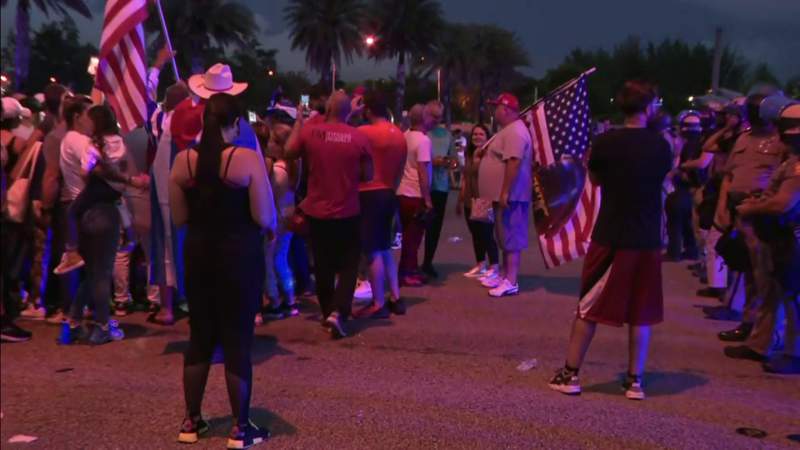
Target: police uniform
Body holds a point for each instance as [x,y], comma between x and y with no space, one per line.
[753,160]
[781,287]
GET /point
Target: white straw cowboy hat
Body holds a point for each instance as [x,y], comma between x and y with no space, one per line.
[217,79]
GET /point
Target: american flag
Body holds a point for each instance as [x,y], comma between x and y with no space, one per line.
[121,70]
[561,127]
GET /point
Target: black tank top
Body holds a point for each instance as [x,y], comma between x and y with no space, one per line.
[217,207]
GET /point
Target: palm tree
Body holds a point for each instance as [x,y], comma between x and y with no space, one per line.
[200,28]
[405,27]
[497,54]
[326,30]
[22,48]
[452,57]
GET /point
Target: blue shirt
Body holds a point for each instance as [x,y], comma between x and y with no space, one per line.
[442,142]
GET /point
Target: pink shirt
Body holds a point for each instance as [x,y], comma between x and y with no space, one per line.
[333,153]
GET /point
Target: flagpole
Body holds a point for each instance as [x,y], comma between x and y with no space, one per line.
[167,40]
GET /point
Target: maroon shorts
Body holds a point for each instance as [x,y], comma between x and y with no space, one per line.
[620,286]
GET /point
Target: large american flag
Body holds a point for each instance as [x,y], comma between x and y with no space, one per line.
[121,70]
[561,126]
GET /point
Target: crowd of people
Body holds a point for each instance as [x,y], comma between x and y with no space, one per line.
[237,221]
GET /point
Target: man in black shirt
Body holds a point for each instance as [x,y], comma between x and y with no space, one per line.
[621,281]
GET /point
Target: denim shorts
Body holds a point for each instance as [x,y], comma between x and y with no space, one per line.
[511,226]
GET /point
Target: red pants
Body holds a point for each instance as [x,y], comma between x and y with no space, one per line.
[413,231]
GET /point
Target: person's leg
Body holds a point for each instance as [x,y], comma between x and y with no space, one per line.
[478,239]
[716,268]
[512,262]
[579,340]
[282,268]
[100,228]
[412,234]
[299,263]
[67,283]
[674,229]
[689,236]
[324,268]
[39,264]
[122,272]
[638,344]
[377,277]
[349,250]
[434,228]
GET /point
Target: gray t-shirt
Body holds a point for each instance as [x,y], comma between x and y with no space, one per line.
[513,141]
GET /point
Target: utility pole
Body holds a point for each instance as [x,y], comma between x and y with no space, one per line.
[715,69]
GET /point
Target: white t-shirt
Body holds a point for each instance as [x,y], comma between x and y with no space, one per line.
[419,151]
[73,151]
[282,189]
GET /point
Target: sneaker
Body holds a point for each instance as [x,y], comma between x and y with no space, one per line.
[247,436]
[191,430]
[411,281]
[428,270]
[70,335]
[33,312]
[373,311]
[363,290]
[111,332]
[12,333]
[477,271]
[398,241]
[334,324]
[504,289]
[121,309]
[397,307]
[70,261]
[565,381]
[273,313]
[56,319]
[633,387]
[491,281]
[290,310]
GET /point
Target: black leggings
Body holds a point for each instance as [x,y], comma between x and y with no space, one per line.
[224,281]
[434,229]
[483,242]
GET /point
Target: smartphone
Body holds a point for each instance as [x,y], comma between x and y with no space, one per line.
[305,100]
[92,68]
[251,117]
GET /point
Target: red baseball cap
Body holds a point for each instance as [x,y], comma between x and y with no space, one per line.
[506,99]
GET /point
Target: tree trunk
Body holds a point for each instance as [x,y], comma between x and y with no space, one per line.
[401,87]
[22,48]
[480,99]
[446,96]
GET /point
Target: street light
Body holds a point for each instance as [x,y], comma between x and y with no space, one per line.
[270,73]
[370,40]
[52,79]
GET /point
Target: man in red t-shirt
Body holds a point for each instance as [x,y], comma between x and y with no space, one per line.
[379,205]
[338,159]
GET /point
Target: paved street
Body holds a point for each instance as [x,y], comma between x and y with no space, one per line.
[444,376]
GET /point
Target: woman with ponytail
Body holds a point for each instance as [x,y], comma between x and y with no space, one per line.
[223,195]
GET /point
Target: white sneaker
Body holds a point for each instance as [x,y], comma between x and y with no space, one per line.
[504,288]
[56,319]
[477,271]
[33,312]
[491,281]
[398,241]
[363,290]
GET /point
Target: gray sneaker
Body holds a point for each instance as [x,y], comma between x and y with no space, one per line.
[102,335]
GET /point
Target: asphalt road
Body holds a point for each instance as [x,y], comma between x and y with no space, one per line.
[444,376]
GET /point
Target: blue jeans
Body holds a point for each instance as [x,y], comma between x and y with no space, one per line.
[99,238]
[280,278]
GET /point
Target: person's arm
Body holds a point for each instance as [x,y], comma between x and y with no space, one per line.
[700,163]
[177,198]
[722,217]
[262,202]
[712,143]
[294,144]
[784,200]
[425,183]
[510,174]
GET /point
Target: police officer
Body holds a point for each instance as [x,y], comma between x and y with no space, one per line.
[779,209]
[754,157]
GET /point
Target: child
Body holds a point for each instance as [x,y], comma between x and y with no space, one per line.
[284,176]
[103,164]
